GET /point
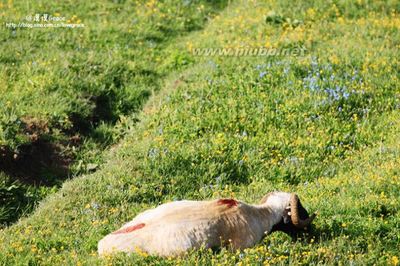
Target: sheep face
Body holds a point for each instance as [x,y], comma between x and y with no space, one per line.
[286,225]
[284,205]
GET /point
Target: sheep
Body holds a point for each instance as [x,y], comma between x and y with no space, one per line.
[173,228]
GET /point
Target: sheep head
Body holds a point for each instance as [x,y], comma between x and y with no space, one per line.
[299,215]
[294,217]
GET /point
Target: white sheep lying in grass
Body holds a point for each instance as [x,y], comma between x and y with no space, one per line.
[176,227]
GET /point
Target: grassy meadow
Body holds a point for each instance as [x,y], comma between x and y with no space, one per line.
[68,94]
[132,118]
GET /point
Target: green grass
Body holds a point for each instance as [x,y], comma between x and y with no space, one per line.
[325,125]
[78,90]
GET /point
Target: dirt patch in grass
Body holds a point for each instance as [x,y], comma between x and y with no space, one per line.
[39,162]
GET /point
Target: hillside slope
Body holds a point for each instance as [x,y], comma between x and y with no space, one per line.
[325,125]
[69,93]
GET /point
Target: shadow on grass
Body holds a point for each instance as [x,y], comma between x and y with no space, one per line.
[40,163]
